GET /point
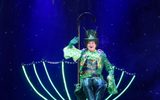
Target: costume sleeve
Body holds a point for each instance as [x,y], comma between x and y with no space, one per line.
[72,53]
[110,78]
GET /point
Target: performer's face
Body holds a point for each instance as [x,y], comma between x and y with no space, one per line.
[91,46]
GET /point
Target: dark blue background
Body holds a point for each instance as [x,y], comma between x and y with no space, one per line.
[128,30]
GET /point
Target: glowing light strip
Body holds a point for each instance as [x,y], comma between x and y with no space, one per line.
[25,73]
[117,84]
[51,81]
[125,88]
[64,81]
[34,66]
[120,79]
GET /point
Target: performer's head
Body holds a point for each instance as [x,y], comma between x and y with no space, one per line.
[91,41]
[91,46]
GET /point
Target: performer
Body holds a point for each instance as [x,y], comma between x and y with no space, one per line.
[92,84]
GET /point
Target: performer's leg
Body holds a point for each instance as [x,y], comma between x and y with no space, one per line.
[79,93]
[100,87]
[88,88]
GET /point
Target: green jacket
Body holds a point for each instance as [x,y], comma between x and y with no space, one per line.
[91,64]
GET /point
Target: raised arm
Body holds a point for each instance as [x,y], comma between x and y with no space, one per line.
[73,42]
[70,51]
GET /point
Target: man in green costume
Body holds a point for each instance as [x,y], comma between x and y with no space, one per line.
[92,84]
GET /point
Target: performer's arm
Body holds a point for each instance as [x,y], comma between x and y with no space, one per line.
[110,78]
[70,51]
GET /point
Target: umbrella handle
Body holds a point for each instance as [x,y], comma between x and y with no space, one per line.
[79,35]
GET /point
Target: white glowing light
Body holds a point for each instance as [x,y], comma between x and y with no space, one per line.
[25,73]
[125,88]
[34,66]
[122,74]
[51,81]
[64,81]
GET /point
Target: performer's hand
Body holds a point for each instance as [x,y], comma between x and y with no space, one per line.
[111,85]
[73,41]
[110,77]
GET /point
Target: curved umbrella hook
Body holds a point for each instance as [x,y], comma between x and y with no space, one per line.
[78,29]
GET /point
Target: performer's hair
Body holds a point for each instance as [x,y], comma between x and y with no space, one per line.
[96,41]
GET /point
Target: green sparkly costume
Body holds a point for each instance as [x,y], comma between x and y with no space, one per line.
[94,61]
